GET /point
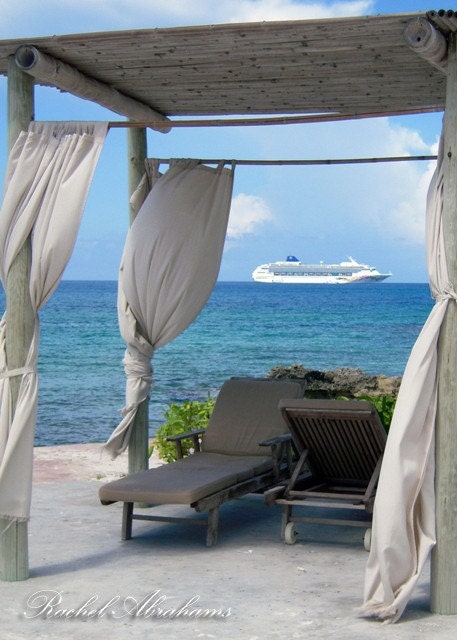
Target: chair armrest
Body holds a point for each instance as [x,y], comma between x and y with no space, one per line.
[188,434]
[286,437]
[177,439]
[282,452]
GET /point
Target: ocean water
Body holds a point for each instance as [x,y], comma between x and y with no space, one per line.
[246,328]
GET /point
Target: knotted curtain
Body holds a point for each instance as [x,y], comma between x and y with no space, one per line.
[404,512]
[169,267]
[49,172]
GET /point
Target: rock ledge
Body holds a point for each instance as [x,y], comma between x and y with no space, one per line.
[345,381]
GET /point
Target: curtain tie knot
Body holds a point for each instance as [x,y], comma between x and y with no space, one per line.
[448,293]
[13,373]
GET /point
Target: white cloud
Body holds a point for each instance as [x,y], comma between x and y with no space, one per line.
[259,10]
[403,141]
[383,200]
[246,214]
[209,12]
[398,193]
[399,212]
[406,220]
[30,17]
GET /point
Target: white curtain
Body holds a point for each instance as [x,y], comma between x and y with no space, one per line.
[169,267]
[404,513]
[49,172]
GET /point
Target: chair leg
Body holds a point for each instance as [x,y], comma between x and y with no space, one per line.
[127,518]
[213,521]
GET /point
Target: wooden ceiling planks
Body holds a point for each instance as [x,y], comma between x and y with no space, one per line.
[345,65]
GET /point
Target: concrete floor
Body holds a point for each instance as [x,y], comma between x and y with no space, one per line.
[259,587]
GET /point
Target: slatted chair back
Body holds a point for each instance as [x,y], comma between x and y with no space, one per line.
[345,438]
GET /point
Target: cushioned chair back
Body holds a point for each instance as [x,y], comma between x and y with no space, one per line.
[246,413]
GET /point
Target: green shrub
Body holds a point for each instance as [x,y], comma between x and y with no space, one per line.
[191,415]
[384,405]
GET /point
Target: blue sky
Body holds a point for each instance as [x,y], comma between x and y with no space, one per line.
[374,213]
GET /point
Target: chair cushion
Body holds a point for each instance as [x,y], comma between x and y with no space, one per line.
[246,413]
[186,480]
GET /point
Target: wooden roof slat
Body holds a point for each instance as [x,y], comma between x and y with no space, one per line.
[251,73]
[260,30]
[127,48]
[134,60]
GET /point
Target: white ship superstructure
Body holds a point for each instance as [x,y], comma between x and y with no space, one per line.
[292,271]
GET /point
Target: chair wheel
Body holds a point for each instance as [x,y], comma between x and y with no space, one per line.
[367,540]
[290,533]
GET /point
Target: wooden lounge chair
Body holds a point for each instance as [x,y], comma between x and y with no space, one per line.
[240,452]
[340,444]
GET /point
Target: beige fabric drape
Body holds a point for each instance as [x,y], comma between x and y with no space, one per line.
[49,172]
[404,514]
[169,267]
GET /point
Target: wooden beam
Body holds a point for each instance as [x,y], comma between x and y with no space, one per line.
[310,162]
[445,20]
[20,317]
[256,121]
[139,439]
[427,41]
[444,558]
[59,74]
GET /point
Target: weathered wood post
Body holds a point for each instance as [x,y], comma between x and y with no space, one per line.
[444,557]
[138,445]
[14,564]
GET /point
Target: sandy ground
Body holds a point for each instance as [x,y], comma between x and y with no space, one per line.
[76,462]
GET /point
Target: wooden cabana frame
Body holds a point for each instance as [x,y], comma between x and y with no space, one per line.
[346,67]
[336,69]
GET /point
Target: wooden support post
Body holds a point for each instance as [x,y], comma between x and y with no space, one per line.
[20,316]
[139,440]
[444,558]
[137,149]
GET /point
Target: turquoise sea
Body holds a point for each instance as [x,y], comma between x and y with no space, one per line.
[246,328]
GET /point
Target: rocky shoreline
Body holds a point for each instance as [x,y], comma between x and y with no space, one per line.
[339,382]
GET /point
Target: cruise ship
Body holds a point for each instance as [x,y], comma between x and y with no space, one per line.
[292,271]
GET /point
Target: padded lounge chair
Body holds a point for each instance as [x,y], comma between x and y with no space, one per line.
[229,462]
[340,443]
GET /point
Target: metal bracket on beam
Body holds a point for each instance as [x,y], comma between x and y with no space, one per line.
[63,76]
[423,38]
